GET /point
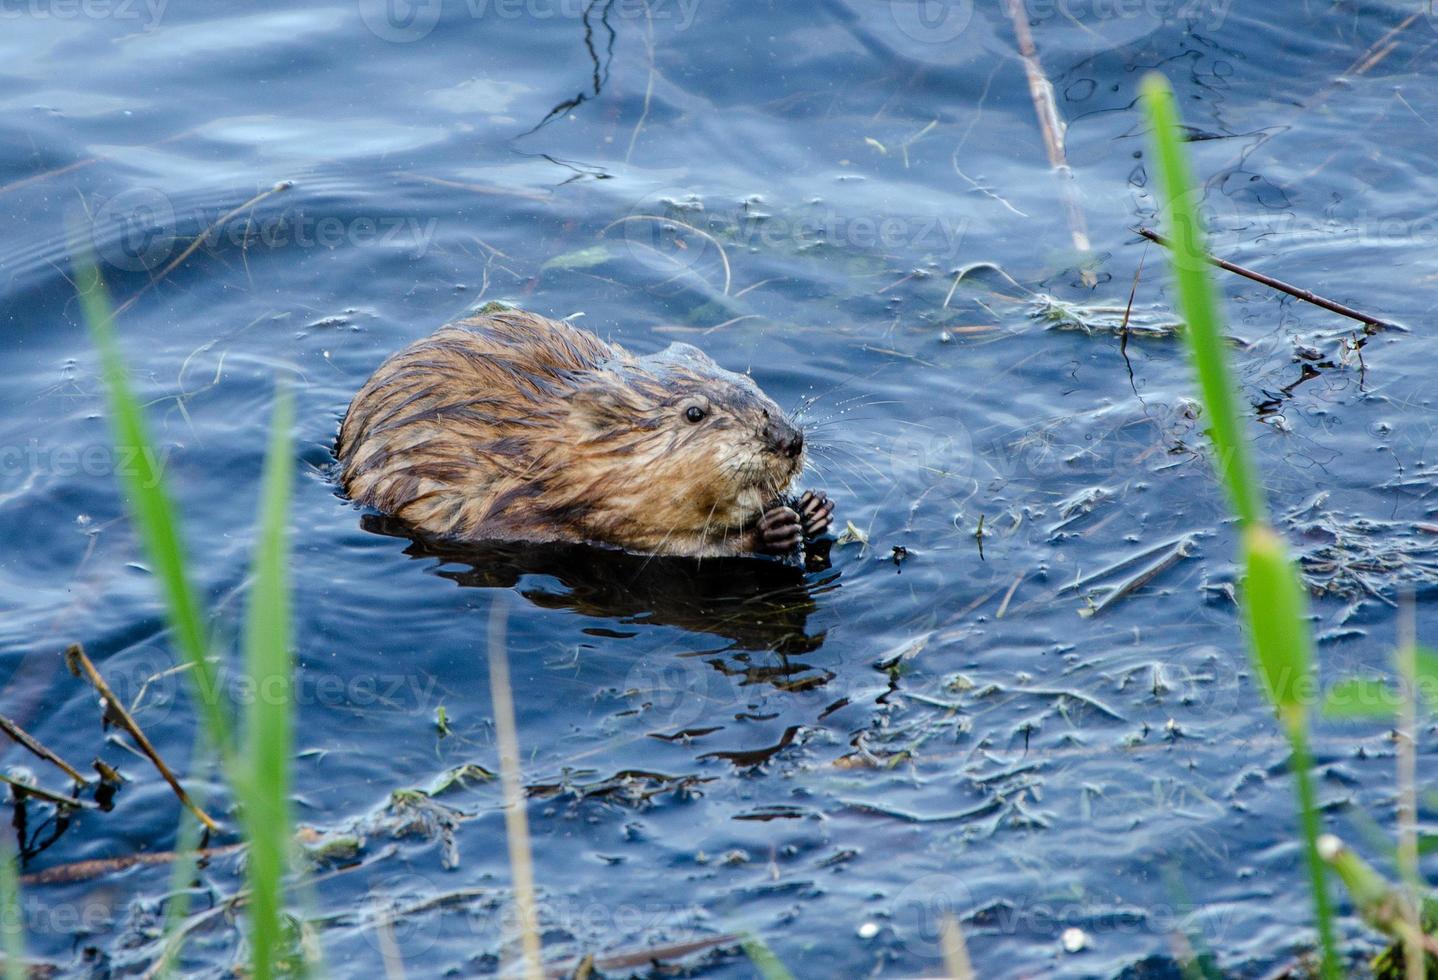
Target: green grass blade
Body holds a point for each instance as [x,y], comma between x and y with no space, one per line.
[261,777]
[268,723]
[149,502]
[1361,697]
[1425,667]
[1275,605]
[1308,817]
[763,959]
[182,873]
[12,930]
[1198,304]
[1276,610]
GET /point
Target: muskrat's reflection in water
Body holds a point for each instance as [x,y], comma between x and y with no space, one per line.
[757,604]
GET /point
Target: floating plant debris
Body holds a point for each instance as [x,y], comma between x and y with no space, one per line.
[1352,557]
[1059,314]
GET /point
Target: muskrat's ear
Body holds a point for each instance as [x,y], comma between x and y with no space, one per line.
[681,353]
[600,407]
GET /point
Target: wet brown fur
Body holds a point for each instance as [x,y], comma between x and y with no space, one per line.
[511,426]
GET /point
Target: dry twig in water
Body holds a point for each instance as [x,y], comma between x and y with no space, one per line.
[28,741]
[955,950]
[49,796]
[1052,124]
[114,709]
[1283,287]
[63,874]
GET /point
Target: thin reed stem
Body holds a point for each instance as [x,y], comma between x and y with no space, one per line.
[516,821]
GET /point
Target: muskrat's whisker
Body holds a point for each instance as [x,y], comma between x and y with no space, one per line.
[853,454]
[841,405]
[848,481]
[847,420]
[850,465]
[708,521]
[846,485]
[659,548]
[851,462]
[820,395]
[842,413]
[850,402]
[844,421]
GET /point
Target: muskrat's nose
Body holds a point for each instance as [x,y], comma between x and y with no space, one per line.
[785,439]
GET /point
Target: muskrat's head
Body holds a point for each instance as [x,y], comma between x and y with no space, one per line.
[682,445]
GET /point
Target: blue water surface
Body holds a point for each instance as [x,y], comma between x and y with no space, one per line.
[853,201]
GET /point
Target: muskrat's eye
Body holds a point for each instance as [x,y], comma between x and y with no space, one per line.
[694,414]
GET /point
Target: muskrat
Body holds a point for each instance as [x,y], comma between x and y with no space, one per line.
[508,426]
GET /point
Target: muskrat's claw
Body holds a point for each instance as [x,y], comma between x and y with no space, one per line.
[816,512]
[779,531]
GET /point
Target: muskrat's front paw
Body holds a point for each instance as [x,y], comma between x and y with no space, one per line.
[816,513]
[779,531]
